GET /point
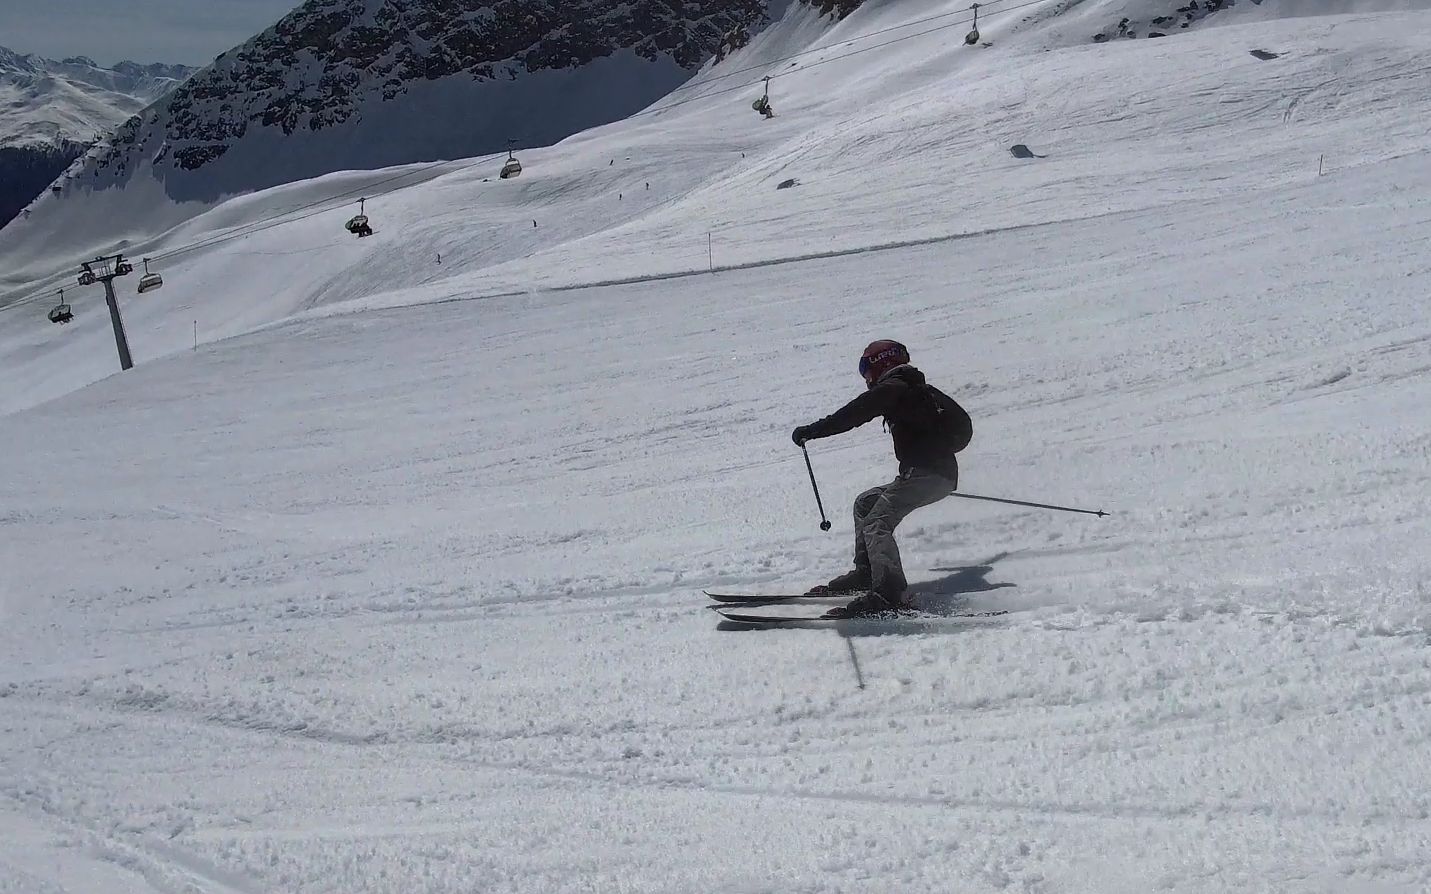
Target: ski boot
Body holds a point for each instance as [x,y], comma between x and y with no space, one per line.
[850,583]
[871,604]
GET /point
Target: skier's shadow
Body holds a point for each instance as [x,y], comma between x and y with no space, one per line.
[949,595]
[943,597]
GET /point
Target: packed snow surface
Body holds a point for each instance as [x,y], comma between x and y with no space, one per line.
[392,584]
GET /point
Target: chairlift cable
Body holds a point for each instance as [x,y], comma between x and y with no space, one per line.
[267,223]
[283,217]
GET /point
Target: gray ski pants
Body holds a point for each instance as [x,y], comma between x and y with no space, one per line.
[878,511]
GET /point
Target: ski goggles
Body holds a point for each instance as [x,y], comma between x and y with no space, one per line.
[867,364]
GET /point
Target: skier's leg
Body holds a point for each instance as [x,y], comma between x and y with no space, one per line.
[859,577]
[896,501]
[864,503]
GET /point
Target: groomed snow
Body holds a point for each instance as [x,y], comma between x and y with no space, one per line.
[406,599]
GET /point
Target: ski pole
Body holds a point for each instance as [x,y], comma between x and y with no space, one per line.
[855,660]
[824,522]
[1098,512]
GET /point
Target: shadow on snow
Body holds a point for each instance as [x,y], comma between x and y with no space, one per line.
[940,600]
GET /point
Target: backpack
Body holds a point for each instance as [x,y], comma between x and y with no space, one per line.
[951,424]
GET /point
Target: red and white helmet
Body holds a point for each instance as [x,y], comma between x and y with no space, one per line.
[881,357]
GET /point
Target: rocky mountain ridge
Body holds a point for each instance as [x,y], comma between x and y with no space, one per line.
[332,69]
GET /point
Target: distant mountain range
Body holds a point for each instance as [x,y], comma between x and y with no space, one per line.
[51,112]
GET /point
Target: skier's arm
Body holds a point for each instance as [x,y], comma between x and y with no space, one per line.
[878,401]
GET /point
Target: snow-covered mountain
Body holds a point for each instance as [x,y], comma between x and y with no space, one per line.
[362,84]
[359,84]
[51,111]
[380,572]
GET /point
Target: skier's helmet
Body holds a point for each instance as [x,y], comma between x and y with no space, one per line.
[881,357]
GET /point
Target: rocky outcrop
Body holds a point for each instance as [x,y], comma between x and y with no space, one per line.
[837,8]
[1178,17]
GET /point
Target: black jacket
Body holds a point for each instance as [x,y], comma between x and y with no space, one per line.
[908,411]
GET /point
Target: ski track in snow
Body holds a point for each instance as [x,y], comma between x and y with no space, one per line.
[406,599]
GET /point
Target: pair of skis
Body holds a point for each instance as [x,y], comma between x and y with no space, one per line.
[737,607]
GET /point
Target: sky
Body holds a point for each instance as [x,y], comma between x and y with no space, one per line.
[192,32]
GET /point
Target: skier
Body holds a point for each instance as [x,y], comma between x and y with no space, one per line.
[928,428]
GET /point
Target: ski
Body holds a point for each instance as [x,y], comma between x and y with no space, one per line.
[741,617]
[768,598]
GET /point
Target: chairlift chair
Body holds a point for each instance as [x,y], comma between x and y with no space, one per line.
[358,224]
[512,168]
[762,105]
[61,313]
[149,281]
[972,38]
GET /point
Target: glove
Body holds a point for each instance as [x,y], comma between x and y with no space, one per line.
[800,435]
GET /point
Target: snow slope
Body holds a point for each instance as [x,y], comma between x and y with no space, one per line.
[405,599]
[910,140]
